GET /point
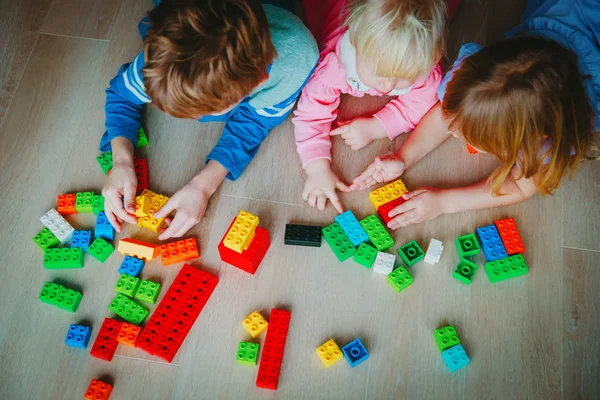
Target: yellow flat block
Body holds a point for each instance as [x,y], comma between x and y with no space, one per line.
[255,324]
[387,193]
[241,233]
[137,248]
[329,353]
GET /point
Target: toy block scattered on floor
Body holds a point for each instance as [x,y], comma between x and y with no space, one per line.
[60,296]
[411,253]
[81,239]
[255,324]
[329,353]
[106,342]
[100,249]
[400,279]
[510,236]
[467,245]
[83,202]
[241,233]
[384,209]
[434,252]
[57,225]
[384,263]
[142,139]
[455,357]
[378,236]
[97,204]
[387,193]
[106,161]
[78,336]
[98,390]
[303,235]
[46,239]
[127,285]
[465,271]
[139,249]
[174,316]
[65,204]
[249,260]
[141,172]
[491,243]
[131,266]
[339,242]
[179,251]
[103,228]
[148,291]
[352,228]
[506,268]
[446,337]
[247,353]
[128,309]
[128,334]
[365,255]
[63,258]
[355,352]
[273,349]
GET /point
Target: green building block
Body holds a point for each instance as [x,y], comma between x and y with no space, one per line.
[142,139]
[465,271]
[128,309]
[49,293]
[467,245]
[63,258]
[247,353]
[411,253]
[506,268]
[380,238]
[97,204]
[338,241]
[100,249]
[106,161]
[446,337]
[400,279]
[83,202]
[60,296]
[148,291]
[46,239]
[127,285]
[365,255]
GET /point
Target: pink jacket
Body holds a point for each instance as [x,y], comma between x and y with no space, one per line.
[320,98]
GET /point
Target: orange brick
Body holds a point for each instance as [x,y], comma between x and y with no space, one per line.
[128,334]
[98,390]
[65,204]
[179,251]
[137,248]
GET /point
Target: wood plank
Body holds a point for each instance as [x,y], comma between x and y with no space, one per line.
[92,19]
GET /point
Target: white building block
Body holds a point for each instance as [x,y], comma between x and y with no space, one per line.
[384,263]
[57,225]
[434,252]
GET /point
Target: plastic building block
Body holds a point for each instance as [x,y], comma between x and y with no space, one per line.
[329,353]
[467,246]
[247,353]
[65,204]
[147,203]
[46,239]
[97,204]
[465,271]
[57,225]
[242,232]
[106,342]
[139,249]
[411,253]
[49,293]
[384,209]
[128,309]
[142,205]
[142,139]
[352,228]
[303,235]
[506,268]
[98,390]
[100,249]
[434,252]
[78,336]
[131,266]
[60,296]
[255,324]
[378,236]
[182,250]
[384,263]
[446,337]
[128,334]
[355,352]
[103,228]
[174,316]
[83,202]
[141,172]
[148,291]
[491,243]
[365,255]
[106,161]
[400,279]
[387,193]
[63,258]
[81,239]
[510,236]
[273,349]
[471,149]
[127,285]
[339,242]
[249,260]
[455,357]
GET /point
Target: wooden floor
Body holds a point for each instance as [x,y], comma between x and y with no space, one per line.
[536,337]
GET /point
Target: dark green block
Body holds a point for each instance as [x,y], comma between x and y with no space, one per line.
[106,161]
[365,255]
[411,253]
[83,201]
[142,139]
[465,271]
[506,268]
[97,204]
[303,235]
[63,258]
[338,241]
[148,291]
[128,309]
[127,285]
[378,236]
[100,249]
[46,239]
[400,279]
[446,337]
[467,245]
[247,353]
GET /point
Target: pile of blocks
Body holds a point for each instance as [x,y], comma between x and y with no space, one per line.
[453,353]
[146,204]
[354,352]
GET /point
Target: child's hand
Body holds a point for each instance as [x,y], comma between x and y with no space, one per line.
[119,190]
[420,205]
[360,132]
[381,170]
[321,184]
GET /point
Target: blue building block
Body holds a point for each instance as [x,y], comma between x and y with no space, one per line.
[131,266]
[455,357]
[78,336]
[491,243]
[352,228]
[103,228]
[81,239]
[355,352]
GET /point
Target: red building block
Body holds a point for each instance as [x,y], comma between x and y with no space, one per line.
[248,260]
[182,250]
[106,342]
[65,204]
[272,354]
[510,236]
[98,390]
[471,149]
[384,209]
[141,171]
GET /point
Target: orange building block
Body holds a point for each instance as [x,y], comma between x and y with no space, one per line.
[137,248]
[179,251]
[65,204]
[128,334]
[98,390]
[471,149]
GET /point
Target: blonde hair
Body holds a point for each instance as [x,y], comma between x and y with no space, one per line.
[401,38]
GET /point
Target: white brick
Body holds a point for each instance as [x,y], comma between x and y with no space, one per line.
[57,225]
[384,263]
[434,252]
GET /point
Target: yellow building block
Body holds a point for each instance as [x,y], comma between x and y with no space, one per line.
[329,353]
[387,193]
[147,204]
[255,324]
[142,203]
[137,248]
[242,232]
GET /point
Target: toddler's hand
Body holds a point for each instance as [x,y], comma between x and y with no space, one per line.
[360,132]
[321,184]
[381,170]
[420,205]
[119,190]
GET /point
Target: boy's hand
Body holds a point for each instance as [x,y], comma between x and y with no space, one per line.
[381,170]
[420,205]
[321,184]
[119,190]
[360,132]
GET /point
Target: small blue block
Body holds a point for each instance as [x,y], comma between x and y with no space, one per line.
[81,239]
[78,336]
[131,266]
[352,228]
[455,357]
[103,228]
[355,352]
[491,243]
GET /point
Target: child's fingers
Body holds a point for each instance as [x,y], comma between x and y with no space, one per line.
[129,197]
[335,201]
[342,186]
[166,209]
[402,208]
[321,200]
[410,195]
[113,220]
[408,218]
[175,226]
[312,200]
[339,131]
[183,230]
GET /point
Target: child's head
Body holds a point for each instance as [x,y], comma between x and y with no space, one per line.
[397,41]
[523,100]
[204,56]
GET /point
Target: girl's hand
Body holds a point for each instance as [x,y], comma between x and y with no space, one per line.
[420,205]
[119,194]
[321,184]
[381,170]
[360,132]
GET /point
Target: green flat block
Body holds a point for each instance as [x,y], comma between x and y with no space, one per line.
[46,239]
[400,279]
[63,258]
[365,255]
[465,271]
[97,204]
[378,236]
[127,285]
[142,139]
[247,353]
[338,241]
[128,309]
[106,161]
[467,245]
[148,291]
[446,337]
[83,202]
[68,299]
[506,268]
[411,253]
[100,249]
[49,293]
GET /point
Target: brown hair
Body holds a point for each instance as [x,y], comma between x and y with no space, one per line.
[204,56]
[512,97]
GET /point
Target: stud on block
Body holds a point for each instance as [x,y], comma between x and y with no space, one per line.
[387,193]
[510,236]
[142,139]
[247,353]
[467,246]
[57,225]
[65,204]
[455,357]
[384,263]
[63,258]
[506,268]
[411,253]
[434,252]
[100,249]
[106,161]
[97,204]
[103,228]
[127,285]
[352,228]
[128,309]
[446,337]
[365,255]
[329,353]
[139,249]
[180,251]
[465,271]
[491,243]
[106,342]
[242,232]
[46,239]
[338,241]
[355,352]
[81,239]
[384,209]
[400,279]
[131,266]
[302,235]
[148,291]
[378,236]
[83,202]
[78,336]
[255,324]
[98,390]
[128,334]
